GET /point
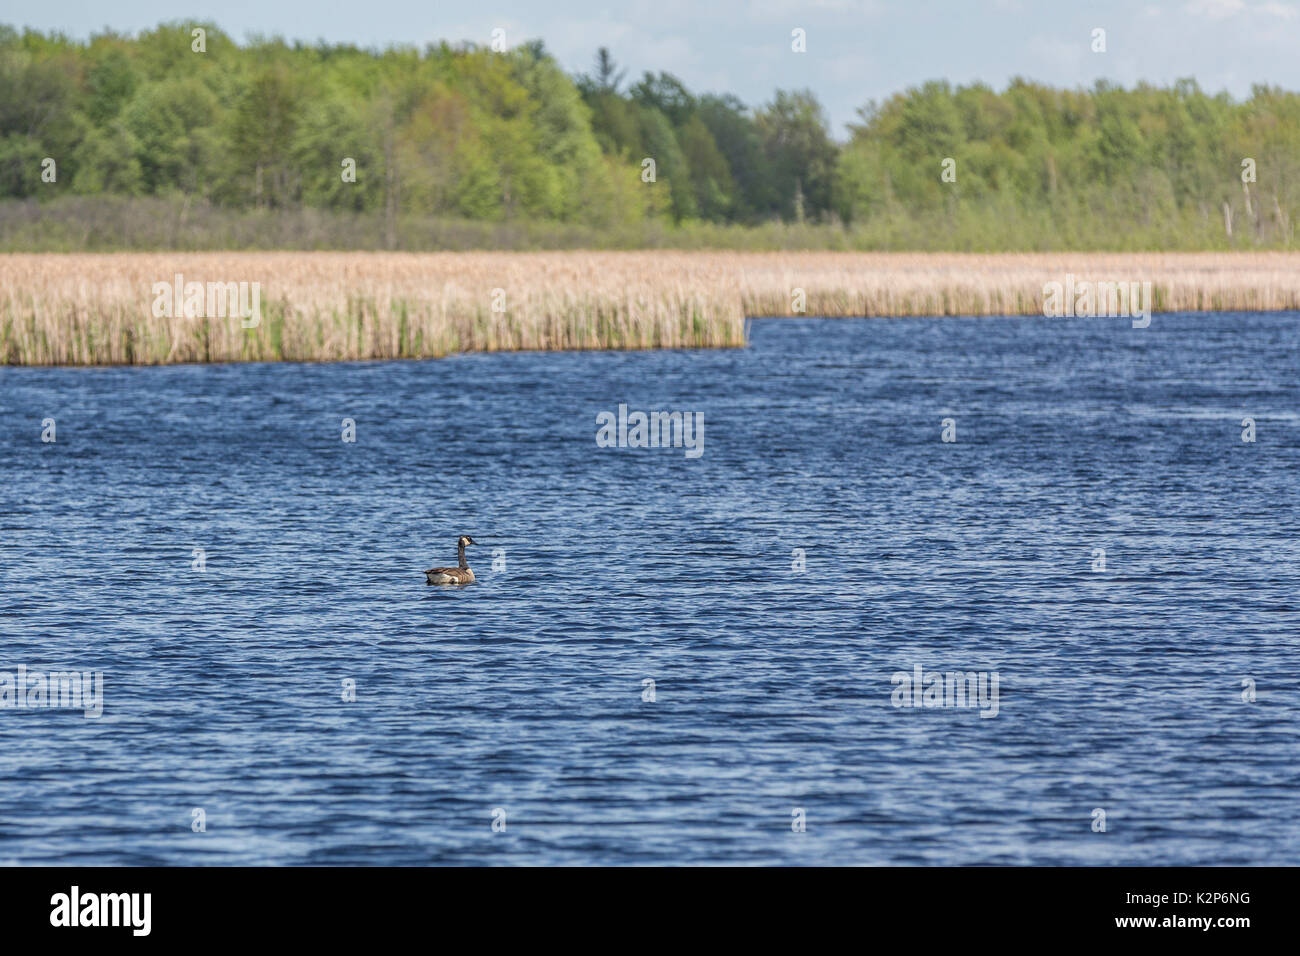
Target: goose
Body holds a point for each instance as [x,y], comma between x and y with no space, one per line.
[460,575]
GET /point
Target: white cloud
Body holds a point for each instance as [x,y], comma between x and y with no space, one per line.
[793,9]
[1225,9]
[1282,10]
[1215,9]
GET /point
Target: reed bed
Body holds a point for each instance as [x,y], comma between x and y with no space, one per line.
[898,284]
[93,309]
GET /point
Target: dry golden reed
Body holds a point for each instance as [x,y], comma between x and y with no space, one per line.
[82,309]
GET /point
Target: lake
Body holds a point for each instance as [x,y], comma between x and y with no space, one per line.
[1097,543]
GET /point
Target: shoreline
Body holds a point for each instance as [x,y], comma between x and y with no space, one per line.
[130,308]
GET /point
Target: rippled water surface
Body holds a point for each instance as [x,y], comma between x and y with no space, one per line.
[1120,689]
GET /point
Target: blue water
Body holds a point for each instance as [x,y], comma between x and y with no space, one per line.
[1120,690]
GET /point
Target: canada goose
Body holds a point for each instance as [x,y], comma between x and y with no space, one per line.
[460,575]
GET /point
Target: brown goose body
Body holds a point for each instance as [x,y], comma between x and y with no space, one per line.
[449,576]
[460,575]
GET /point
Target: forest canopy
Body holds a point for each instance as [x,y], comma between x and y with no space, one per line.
[471,134]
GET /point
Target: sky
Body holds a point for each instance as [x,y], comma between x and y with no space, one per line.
[856,50]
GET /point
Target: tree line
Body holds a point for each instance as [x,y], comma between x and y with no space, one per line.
[471,133]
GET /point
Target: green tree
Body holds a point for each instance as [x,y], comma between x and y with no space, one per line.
[802,156]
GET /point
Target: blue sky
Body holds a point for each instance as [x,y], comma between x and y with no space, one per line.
[857,50]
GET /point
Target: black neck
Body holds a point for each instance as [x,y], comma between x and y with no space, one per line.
[460,553]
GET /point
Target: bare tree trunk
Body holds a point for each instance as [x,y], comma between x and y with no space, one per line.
[390,189]
[180,218]
[1227,219]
